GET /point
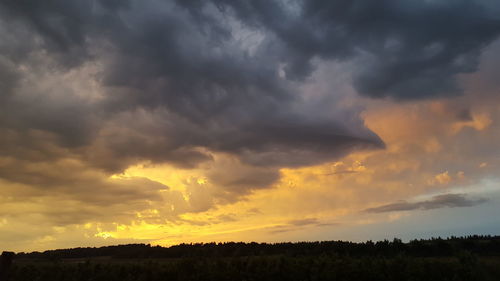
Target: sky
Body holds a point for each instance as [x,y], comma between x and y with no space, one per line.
[167,122]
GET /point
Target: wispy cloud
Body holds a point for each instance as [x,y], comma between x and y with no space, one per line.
[294,225]
[436,202]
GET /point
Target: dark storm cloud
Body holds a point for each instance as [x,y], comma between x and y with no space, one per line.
[8,79]
[407,49]
[438,201]
[181,58]
[179,80]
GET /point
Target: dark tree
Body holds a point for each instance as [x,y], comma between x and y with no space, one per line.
[5,264]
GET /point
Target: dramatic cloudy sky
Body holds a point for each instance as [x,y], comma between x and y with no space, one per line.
[163,122]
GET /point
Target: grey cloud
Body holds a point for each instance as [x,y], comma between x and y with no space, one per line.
[409,50]
[8,79]
[183,59]
[415,49]
[438,201]
[299,224]
[68,201]
[71,180]
[238,177]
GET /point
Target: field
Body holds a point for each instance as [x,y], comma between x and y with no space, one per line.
[472,258]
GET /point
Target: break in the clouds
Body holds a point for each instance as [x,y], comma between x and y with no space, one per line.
[229,94]
[438,201]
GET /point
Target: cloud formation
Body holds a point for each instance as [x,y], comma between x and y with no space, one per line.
[406,50]
[299,224]
[112,84]
[438,201]
[212,87]
[158,55]
[229,97]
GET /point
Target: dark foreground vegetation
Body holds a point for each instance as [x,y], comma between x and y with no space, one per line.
[466,258]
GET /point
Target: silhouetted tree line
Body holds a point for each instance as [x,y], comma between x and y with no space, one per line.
[472,258]
[434,247]
[464,267]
